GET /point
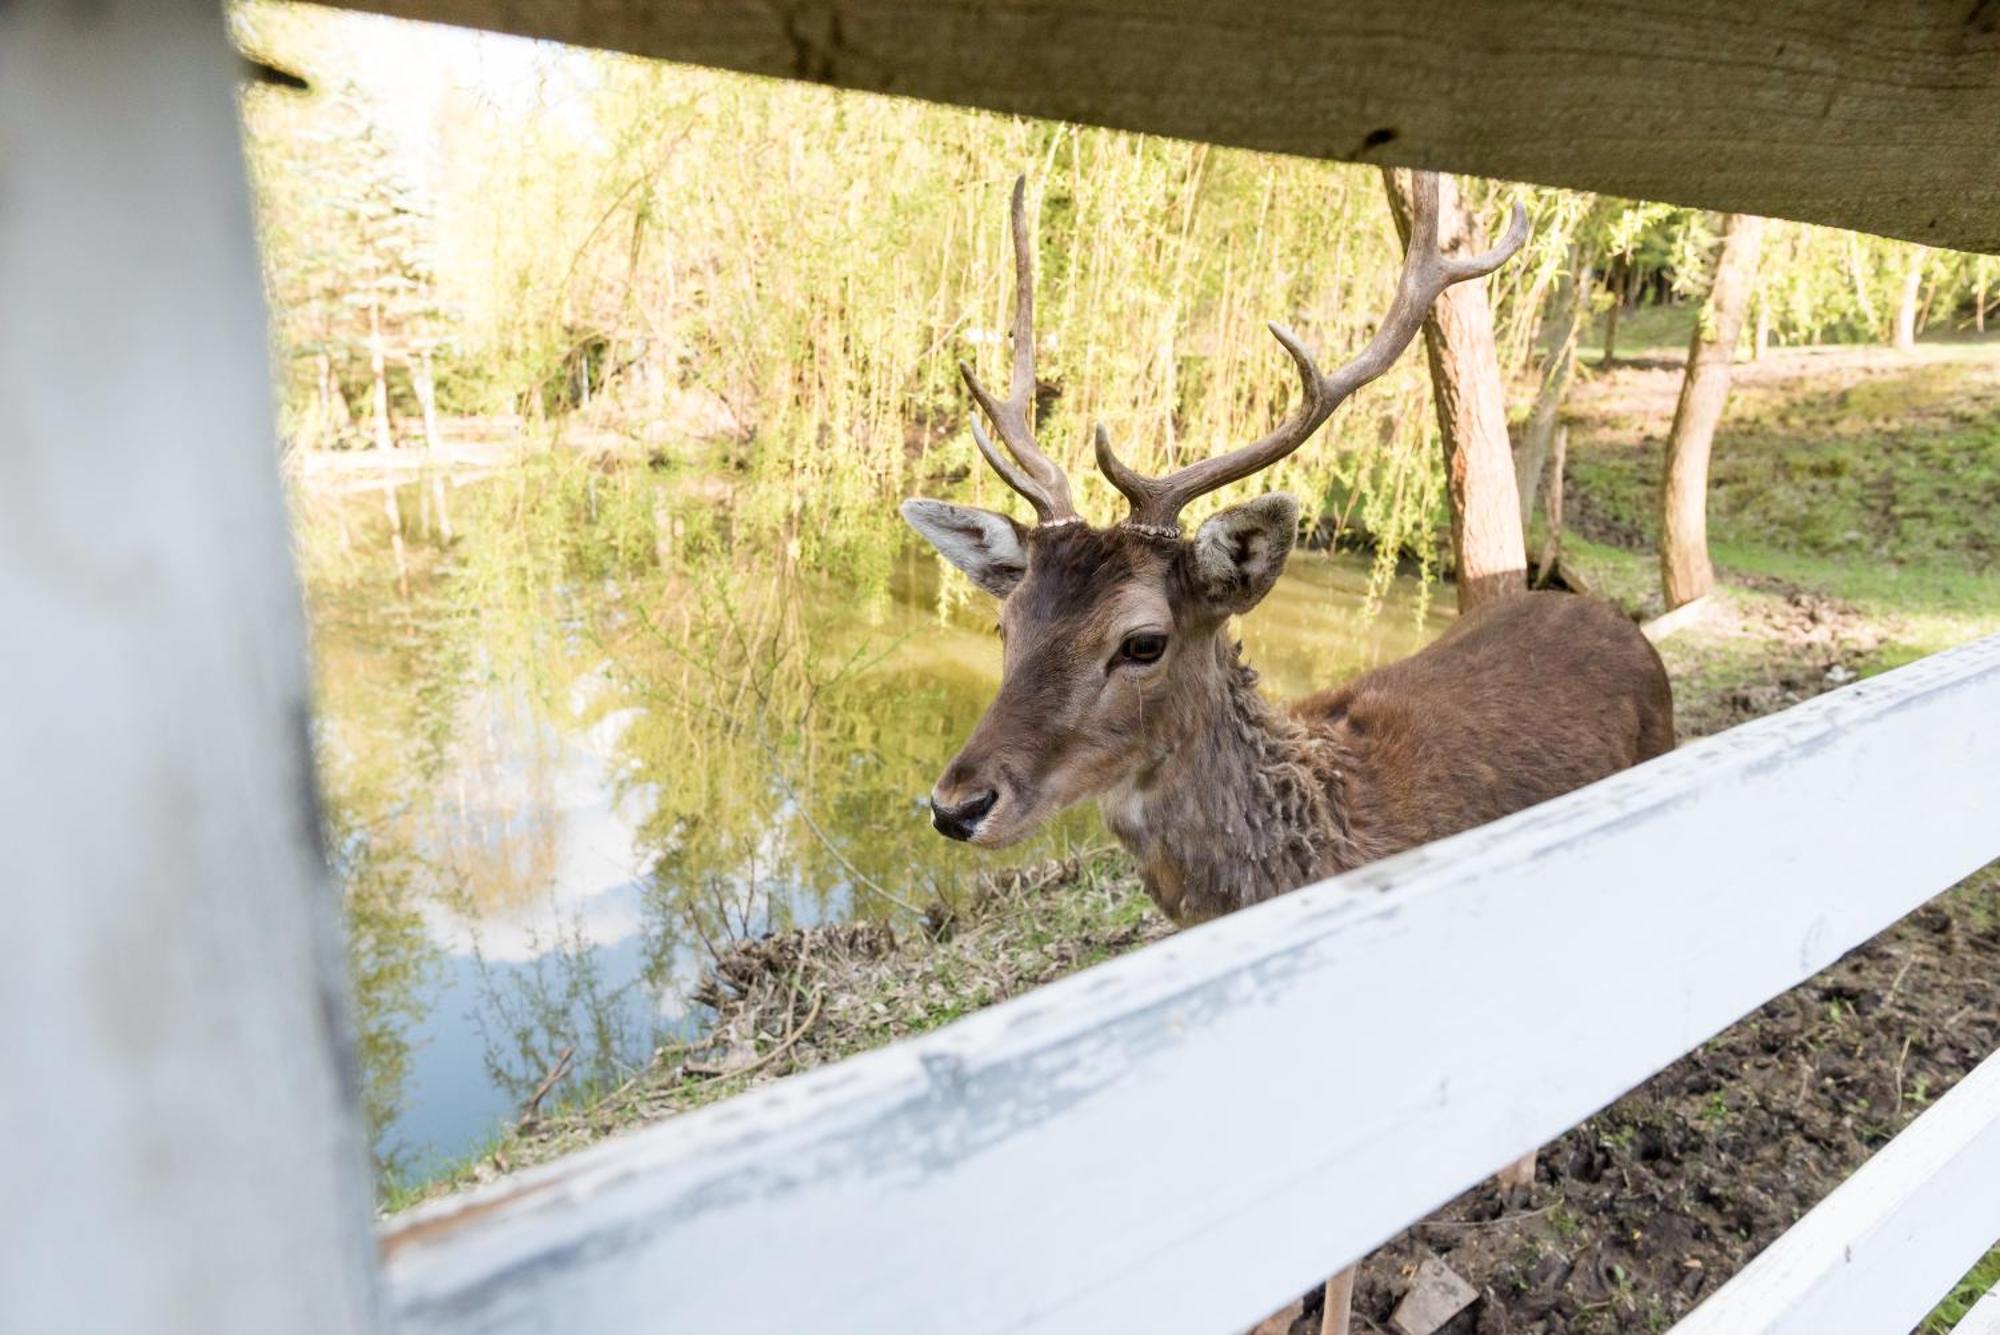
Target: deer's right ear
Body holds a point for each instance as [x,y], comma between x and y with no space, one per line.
[990,548]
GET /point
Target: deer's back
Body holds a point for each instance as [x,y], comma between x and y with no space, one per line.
[1520,701]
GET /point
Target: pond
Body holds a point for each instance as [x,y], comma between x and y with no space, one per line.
[554,789]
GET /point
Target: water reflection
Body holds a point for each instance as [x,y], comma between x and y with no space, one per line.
[560,777]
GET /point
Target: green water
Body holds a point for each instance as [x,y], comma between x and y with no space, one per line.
[565,762]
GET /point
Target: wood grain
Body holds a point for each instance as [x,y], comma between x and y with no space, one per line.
[1881,117]
[182,1150]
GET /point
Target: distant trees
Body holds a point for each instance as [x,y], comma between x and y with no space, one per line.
[775,283]
[350,241]
[1685,570]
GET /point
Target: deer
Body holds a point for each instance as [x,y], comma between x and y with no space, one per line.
[1120,680]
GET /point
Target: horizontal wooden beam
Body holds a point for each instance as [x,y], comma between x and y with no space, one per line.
[1184,1138]
[1885,1246]
[1881,117]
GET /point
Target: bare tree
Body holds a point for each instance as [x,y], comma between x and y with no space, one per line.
[1564,324]
[1486,538]
[1685,571]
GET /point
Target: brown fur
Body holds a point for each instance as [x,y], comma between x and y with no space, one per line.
[1225,799]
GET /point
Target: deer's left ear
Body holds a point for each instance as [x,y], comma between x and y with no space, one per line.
[1239,552]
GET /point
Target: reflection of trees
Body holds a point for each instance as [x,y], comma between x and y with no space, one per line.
[558,1003]
[783,748]
[386,674]
[499,838]
[772,735]
[390,959]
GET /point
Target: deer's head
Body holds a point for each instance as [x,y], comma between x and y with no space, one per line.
[1114,646]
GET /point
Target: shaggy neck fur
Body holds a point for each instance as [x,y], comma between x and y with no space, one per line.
[1239,804]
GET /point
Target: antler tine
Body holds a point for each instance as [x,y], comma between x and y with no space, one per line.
[1037,477]
[1427,272]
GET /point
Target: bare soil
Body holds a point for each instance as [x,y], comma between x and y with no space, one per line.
[1646,1208]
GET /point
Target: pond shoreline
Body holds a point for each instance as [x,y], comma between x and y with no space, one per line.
[1724,1148]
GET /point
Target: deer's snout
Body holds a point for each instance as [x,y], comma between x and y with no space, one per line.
[957,815]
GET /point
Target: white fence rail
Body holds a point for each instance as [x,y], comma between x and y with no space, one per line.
[1182,1138]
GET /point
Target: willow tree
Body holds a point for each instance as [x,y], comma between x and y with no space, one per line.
[1685,571]
[1486,538]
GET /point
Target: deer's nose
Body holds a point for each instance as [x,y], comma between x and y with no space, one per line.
[962,820]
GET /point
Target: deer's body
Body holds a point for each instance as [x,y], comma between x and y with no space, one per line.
[1520,701]
[1121,681]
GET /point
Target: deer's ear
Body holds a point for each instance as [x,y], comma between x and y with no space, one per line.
[1239,552]
[990,548]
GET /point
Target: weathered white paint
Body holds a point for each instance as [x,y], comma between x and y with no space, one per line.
[181,1145]
[1877,1253]
[1983,1319]
[1159,1143]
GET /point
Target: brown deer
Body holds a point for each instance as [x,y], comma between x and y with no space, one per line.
[1120,680]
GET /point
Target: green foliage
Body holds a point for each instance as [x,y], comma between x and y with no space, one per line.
[1978,1281]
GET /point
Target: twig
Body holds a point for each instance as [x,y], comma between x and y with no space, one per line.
[1908,962]
[534,1103]
[1489,1223]
[1899,1074]
[782,1048]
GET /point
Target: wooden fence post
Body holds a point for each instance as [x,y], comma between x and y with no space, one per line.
[180,1144]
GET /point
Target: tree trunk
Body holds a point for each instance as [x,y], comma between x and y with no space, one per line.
[1860,279]
[1471,400]
[383,438]
[1979,294]
[1762,342]
[426,382]
[1905,339]
[1611,328]
[1552,544]
[1565,322]
[1685,572]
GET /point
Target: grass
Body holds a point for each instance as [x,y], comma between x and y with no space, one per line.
[1855,474]
[1982,1278]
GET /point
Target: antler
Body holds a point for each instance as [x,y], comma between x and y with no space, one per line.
[1427,272]
[1037,476]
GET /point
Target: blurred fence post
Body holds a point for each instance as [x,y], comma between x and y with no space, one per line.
[180,1141]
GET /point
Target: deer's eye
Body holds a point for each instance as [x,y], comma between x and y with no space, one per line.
[1144,647]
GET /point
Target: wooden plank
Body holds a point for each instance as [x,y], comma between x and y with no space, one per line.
[1880,117]
[1167,1143]
[1983,1319]
[1876,1253]
[180,1147]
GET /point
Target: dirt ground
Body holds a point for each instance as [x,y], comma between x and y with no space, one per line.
[1645,1209]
